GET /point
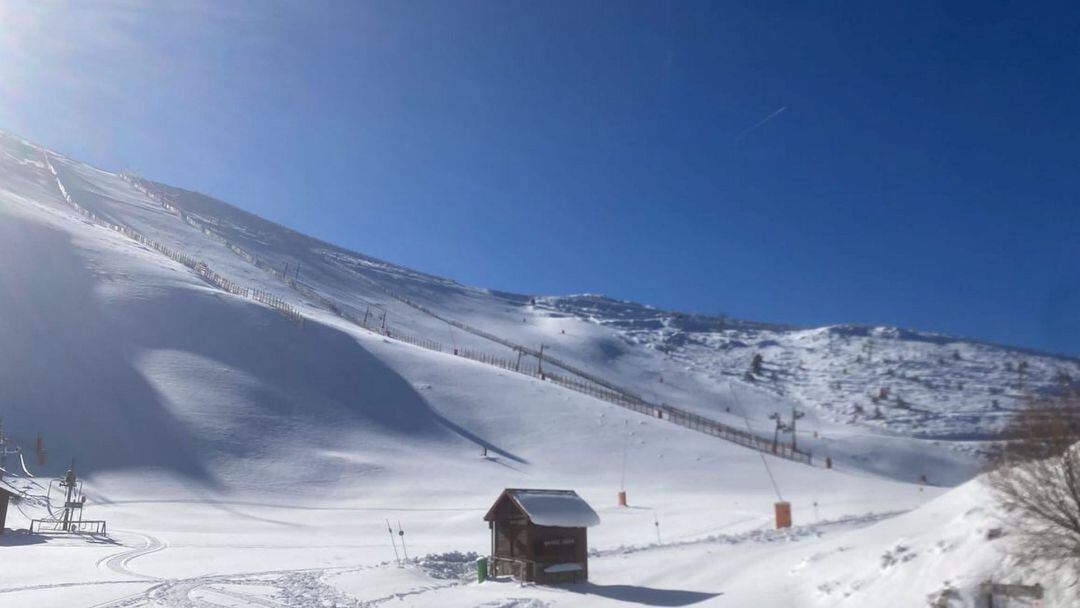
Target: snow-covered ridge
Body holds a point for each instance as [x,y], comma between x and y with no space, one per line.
[913,382]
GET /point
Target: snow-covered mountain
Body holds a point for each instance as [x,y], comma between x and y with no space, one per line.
[254,404]
[910,382]
[916,383]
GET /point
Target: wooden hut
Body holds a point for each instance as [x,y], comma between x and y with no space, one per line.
[540,535]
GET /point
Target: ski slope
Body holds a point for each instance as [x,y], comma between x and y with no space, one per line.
[243,458]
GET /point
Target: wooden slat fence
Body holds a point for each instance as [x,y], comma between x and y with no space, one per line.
[585,382]
[200,268]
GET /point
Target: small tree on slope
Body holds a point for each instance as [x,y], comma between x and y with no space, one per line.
[1036,480]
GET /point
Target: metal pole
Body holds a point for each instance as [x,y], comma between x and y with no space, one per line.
[69,482]
[795,415]
[626,443]
[397,558]
[401,533]
[776,434]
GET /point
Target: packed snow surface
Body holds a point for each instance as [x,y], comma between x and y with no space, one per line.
[265,419]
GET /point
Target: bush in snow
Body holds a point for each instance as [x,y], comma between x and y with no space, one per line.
[1036,480]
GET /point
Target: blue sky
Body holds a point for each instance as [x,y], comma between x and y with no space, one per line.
[922,172]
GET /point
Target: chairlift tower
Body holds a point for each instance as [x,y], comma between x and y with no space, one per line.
[780,428]
[70,518]
[73,499]
[795,416]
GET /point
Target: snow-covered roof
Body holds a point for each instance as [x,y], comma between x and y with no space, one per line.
[561,508]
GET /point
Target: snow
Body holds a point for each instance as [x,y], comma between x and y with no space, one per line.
[242,459]
[563,568]
[559,508]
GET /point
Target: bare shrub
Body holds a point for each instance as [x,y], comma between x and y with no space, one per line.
[1036,479]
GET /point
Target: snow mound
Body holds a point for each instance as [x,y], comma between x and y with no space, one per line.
[937,555]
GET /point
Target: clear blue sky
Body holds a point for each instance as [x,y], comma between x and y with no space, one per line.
[923,172]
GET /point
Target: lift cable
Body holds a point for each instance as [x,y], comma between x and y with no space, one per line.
[764,462]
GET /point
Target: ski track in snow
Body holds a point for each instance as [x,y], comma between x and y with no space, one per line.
[304,588]
[119,563]
[296,588]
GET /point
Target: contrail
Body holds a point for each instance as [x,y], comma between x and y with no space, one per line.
[761,122]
